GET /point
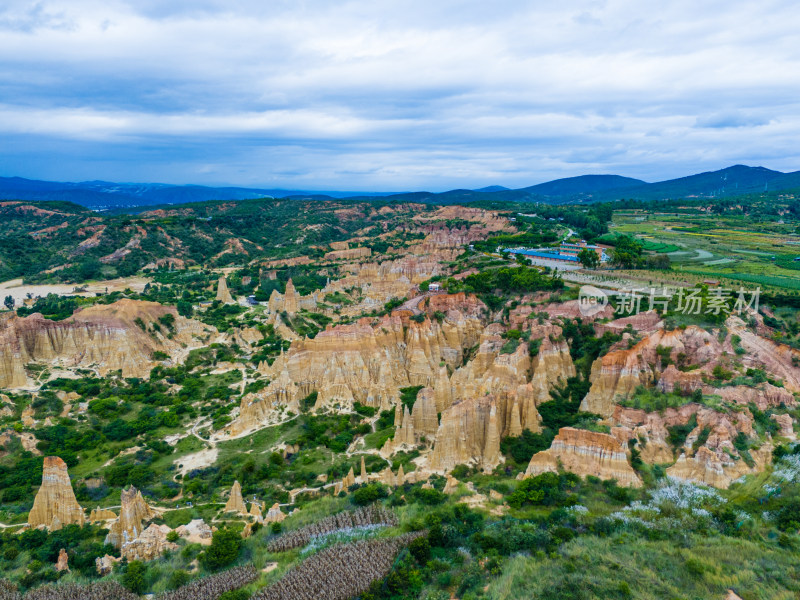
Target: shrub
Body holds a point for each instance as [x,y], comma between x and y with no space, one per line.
[420,549]
[429,496]
[369,494]
[544,489]
[134,577]
[224,549]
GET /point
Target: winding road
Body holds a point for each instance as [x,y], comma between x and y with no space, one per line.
[413,304]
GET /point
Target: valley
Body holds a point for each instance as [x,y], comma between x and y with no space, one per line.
[266,398]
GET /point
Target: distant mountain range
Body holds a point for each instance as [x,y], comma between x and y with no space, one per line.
[100,195]
[732,181]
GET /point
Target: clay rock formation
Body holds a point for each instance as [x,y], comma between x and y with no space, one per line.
[223,294]
[451,485]
[104,337]
[247,530]
[645,322]
[27,417]
[405,436]
[518,383]
[274,514]
[268,406]
[345,483]
[468,434]
[348,254]
[150,544]
[585,453]
[764,396]
[651,430]
[617,374]
[387,477]
[27,439]
[55,504]
[133,512]
[368,361]
[552,367]
[572,310]
[62,564]
[779,360]
[101,514]
[717,469]
[786,424]
[7,407]
[235,501]
[256,511]
[196,531]
[424,414]
[105,564]
[507,387]
[379,283]
[291,301]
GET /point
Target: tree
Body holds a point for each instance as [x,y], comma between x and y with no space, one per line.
[134,577]
[627,252]
[588,258]
[9,302]
[185,309]
[224,549]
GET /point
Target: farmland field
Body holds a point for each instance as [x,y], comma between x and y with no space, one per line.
[734,248]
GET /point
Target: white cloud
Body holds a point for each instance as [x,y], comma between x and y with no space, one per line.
[400,95]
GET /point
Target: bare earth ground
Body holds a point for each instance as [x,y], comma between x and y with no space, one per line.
[19,291]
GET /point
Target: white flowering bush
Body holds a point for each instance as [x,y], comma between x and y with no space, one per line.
[577,509]
[788,469]
[674,505]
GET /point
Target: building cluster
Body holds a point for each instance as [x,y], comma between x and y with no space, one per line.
[567,252]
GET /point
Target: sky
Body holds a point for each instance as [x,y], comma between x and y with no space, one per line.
[395,96]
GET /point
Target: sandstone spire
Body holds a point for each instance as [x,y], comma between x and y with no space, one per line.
[133,511]
[468,434]
[290,298]
[424,415]
[223,295]
[363,470]
[405,433]
[235,502]
[274,514]
[491,451]
[387,477]
[451,485]
[62,563]
[350,479]
[515,428]
[401,476]
[255,510]
[398,414]
[442,390]
[55,504]
[247,531]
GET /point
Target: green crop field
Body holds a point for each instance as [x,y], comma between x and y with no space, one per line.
[717,246]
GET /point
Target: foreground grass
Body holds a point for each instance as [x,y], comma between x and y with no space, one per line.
[627,567]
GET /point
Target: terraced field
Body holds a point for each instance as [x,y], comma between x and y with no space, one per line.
[719,247]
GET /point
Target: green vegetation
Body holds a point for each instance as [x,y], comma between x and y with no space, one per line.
[554,535]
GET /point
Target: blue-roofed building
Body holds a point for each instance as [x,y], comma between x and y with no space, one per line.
[541,254]
[568,252]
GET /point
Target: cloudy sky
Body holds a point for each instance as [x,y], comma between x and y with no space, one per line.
[379,95]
